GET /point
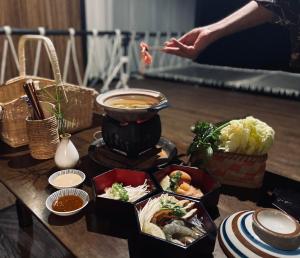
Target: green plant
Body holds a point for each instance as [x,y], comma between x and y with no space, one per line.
[56,99]
[206,139]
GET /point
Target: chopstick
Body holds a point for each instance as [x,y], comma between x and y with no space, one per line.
[40,110]
[155,48]
[31,94]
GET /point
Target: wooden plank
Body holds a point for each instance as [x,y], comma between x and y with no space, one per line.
[54,14]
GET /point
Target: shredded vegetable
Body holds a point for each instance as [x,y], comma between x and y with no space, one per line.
[126,193]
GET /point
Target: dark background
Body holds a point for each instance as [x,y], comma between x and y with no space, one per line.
[264,47]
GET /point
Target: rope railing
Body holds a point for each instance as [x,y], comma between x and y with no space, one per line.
[54,32]
[119,53]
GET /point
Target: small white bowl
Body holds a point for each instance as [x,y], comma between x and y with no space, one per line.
[64,172]
[67,191]
[276,228]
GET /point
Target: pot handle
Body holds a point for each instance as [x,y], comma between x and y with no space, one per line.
[160,106]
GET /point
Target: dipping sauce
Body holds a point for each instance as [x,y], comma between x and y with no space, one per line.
[132,101]
[67,180]
[67,203]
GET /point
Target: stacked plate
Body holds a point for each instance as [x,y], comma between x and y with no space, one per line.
[238,239]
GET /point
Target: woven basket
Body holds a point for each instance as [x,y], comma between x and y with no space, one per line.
[77,112]
[43,134]
[237,169]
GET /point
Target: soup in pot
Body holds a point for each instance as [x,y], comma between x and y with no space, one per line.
[132,101]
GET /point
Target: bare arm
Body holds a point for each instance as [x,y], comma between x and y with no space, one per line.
[249,16]
[193,42]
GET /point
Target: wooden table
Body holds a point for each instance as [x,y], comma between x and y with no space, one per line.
[27,178]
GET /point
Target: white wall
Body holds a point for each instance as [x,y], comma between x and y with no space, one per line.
[136,15]
[141,15]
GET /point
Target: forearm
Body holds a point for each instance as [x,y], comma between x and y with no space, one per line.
[251,15]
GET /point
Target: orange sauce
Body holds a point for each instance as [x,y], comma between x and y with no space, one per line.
[67,203]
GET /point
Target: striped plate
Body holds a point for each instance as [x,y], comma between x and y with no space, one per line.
[238,239]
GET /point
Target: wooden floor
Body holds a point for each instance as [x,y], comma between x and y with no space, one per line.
[31,242]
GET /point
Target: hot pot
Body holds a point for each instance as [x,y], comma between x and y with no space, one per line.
[132,114]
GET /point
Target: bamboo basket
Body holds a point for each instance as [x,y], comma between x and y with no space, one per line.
[43,134]
[238,169]
[78,111]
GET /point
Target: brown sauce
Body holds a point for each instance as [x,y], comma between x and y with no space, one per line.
[67,203]
[131,101]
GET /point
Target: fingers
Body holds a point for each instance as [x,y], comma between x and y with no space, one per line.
[179,52]
[178,44]
[186,39]
[169,43]
[189,45]
[173,51]
[172,42]
[175,47]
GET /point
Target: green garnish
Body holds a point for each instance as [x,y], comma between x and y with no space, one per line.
[174,181]
[177,210]
[119,192]
[206,139]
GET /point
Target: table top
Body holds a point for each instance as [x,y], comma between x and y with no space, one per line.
[28,178]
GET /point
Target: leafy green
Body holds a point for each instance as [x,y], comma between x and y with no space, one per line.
[119,192]
[206,139]
[177,210]
[249,136]
[174,180]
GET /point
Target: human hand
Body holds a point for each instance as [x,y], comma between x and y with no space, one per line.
[189,45]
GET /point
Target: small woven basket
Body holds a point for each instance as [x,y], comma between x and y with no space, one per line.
[43,134]
[238,169]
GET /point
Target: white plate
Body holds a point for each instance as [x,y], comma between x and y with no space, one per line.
[63,172]
[67,191]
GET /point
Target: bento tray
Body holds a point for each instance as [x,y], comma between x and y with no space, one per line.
[167,153]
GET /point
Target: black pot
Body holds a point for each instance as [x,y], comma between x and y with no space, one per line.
[131,138]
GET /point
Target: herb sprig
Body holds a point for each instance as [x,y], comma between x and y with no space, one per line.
[206,139]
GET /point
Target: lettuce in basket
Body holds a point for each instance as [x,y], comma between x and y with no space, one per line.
[245,136]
